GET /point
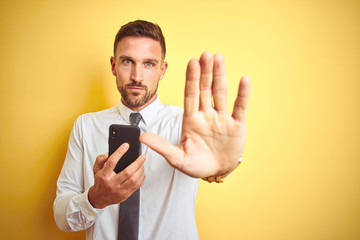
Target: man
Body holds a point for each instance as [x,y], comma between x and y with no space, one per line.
[179,146]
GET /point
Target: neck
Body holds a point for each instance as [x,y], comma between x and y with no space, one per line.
[138,109]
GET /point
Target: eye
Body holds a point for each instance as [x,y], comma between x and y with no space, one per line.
[149,64]
[126,61]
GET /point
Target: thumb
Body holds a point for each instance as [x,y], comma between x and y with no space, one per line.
[100,162]
[171,153]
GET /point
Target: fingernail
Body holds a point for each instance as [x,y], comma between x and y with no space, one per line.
[125,145]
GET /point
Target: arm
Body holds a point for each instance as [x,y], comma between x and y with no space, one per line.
[77,208]
[212,141]
[72,210]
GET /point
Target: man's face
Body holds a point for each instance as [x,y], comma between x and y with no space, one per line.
[138,66]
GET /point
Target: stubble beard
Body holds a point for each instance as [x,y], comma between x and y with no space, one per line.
[133,99]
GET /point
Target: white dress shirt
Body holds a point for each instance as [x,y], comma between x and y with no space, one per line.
[167,199]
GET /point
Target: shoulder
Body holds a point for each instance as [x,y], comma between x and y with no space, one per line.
[170,112]
[169,120]
[95,123]
[171,109]
[103,114]
[97,118]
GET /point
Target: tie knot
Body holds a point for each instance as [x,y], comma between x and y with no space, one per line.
[135,119]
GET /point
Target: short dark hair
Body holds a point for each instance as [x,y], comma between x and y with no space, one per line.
[141,28]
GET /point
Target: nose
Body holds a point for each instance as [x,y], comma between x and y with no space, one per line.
[137,73]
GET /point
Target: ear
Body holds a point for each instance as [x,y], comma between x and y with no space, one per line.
[164,66]
[112,61]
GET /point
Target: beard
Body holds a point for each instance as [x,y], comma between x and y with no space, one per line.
[135,100]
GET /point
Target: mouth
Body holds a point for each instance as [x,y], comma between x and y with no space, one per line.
[135,89]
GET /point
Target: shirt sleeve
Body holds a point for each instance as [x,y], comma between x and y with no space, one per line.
[72,209]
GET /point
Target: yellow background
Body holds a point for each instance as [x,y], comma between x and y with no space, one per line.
[300,178]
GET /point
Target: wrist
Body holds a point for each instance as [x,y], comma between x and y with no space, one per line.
[219,178]
[93,199]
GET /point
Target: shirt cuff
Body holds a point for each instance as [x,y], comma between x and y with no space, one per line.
[88,211]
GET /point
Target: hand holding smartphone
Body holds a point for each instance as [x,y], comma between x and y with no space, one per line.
[119,134]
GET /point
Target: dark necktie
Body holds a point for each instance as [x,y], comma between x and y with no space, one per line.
[135,119]
[129,209]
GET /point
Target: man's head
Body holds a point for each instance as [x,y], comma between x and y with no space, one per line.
[141,28]
[138,63]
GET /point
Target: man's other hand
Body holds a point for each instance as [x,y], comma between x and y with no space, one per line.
[212,141]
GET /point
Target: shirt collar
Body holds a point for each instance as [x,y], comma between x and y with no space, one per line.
[148,113]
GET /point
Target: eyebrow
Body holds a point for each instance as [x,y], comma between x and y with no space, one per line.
[145,60]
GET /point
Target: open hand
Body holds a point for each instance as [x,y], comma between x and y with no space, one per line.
[212,141]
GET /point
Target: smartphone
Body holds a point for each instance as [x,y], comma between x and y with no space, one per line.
[119,134]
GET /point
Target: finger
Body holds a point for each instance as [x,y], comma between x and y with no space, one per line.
[242,100]
[191,101]
[115,157]
[99,163]
[219,89]
[130,170]
[162,146]
[206,63]
[131,185]
[135,180]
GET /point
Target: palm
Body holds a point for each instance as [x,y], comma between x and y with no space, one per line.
[212,141]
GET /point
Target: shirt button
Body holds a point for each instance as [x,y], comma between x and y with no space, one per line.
[91,213]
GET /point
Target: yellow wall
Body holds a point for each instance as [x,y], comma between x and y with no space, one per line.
[301,173]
